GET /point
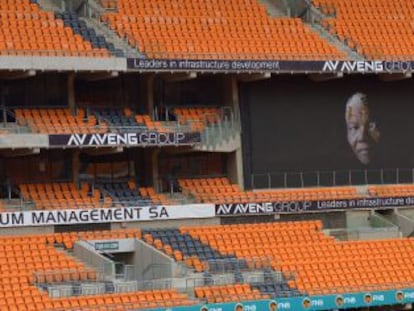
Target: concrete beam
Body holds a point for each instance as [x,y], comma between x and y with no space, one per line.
[18,152]
[96,76]
[253,77]
[15,75]
[103,150]
[395,76]
[326,76]
[177,77]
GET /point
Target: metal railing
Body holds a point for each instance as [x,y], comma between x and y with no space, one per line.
[352,177]
[103,126]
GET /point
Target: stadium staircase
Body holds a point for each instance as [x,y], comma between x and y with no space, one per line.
[272,8]
[314,17]
[224,136]
[90,23]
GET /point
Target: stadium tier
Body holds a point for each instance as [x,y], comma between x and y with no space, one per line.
[377,29]
[217,30]
[27,30]
[59,121]
[49,196]
[194,155]
[37,265]
[220,190]
[63,121]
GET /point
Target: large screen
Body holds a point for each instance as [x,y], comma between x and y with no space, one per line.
[298,132]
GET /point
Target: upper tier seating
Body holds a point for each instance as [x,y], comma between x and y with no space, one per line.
[220,190]
[27,30]
[63,196]
[71,19]
[218,29]
[59,121]
[380,29]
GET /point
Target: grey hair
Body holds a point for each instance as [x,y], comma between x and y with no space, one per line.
[357,98]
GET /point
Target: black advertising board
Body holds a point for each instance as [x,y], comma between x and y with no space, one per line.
[275,66]
[125,139]
[287,207]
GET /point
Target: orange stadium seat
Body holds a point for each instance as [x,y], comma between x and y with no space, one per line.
[221,29]
[28,261]
[63,195]
[321,264]
[379,29]
[59,121]
[197,117]
[220,190]
[27,30]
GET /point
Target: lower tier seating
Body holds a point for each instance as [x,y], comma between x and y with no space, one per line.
[320,264]
[26,259]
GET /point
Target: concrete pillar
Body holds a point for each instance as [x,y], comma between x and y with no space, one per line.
[231,99]
[75,165]
[155,174]
[151,167]
[71,91]
[150,93]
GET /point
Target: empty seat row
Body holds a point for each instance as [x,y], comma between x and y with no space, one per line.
[203,29]
[376,29]
[21,19]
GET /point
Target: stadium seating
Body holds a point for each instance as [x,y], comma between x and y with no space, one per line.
[27,30]
[220,190]
[220,29]
[29,262]
[377,29]
[197,117]
[71,19]
[63,196]
[228,293]
[391,190]
[321,264]
[125,193]
[126,120]
[59,121]
[202,257]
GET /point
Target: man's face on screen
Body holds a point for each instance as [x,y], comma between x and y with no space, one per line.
[362,134]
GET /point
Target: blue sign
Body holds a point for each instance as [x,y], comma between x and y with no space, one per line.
[312,303]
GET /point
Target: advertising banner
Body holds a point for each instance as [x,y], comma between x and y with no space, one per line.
[285,207]
[276,66]
[104,215]
[126,139]
[315,303]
